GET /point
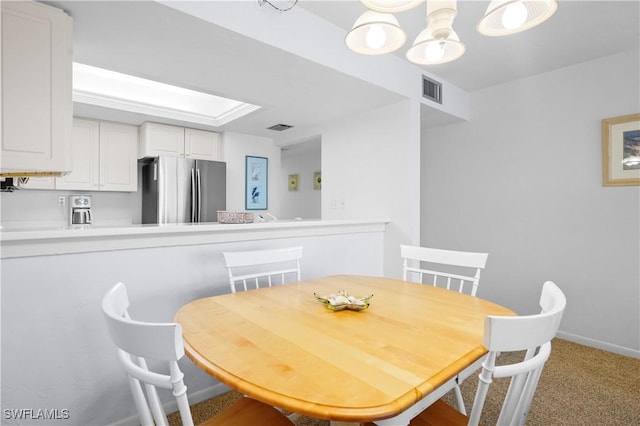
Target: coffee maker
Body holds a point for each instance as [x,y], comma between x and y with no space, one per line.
[80,210]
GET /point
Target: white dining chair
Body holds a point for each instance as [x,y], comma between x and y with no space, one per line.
[533,334]
[423,263]
[138,342]
[260,268]
[420,263]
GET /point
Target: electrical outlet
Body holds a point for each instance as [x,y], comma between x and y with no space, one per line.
[61,201]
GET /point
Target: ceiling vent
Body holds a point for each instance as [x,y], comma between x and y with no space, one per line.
[431,90]
[279,127]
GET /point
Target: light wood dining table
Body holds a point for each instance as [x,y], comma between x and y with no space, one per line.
[280,345]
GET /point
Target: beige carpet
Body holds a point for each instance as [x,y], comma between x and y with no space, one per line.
[579,386]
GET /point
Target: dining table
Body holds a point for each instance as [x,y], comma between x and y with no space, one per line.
[383,364]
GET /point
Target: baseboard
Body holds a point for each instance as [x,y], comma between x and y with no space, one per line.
[129,421]
[620,350]
[172,406]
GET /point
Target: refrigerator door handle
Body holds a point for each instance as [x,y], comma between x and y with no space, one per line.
[199,199]
[163,213]
[193,196]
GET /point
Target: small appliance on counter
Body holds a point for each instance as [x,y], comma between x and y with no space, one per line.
[80,210]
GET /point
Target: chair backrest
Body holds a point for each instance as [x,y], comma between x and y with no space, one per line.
[413,258]
[531,333]
[138,342]
[257,268]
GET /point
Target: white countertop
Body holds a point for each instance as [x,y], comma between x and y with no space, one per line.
[75,231]
[50,240]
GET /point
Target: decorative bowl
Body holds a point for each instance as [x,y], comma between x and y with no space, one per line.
[343,300]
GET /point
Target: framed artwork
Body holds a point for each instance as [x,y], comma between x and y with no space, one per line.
[293,182]
[256,173]
[317,180]
[621,150]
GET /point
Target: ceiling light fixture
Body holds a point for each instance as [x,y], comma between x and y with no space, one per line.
[437,43]
[279,9]
[377,31]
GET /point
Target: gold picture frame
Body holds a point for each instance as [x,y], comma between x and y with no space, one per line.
[293,182]
[621,150]
[317,180]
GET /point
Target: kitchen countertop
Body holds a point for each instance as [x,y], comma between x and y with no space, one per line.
[50,240]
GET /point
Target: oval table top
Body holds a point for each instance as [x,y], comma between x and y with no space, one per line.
[283,347]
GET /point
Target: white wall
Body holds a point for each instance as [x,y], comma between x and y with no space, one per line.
[236,147]
[370,165]
[522,181]
[306,201]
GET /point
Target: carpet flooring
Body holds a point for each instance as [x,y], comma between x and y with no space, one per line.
[579,386]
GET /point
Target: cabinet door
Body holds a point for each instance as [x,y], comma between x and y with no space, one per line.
[118,157]
[202,145]
[36,87]
[85,157]
[39,183]
[161,139]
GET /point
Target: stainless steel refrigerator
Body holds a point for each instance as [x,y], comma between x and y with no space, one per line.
[182,190]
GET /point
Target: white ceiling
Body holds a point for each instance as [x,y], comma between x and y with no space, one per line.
[149,40]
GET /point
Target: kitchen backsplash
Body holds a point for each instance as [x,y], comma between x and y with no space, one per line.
[31,208]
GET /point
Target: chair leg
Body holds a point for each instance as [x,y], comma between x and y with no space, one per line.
[459,400]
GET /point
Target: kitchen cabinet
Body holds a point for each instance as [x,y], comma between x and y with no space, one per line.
[157,139]
[39,183]
[85,157]
[202,145]
[118,157]
[104,157]
[36,88]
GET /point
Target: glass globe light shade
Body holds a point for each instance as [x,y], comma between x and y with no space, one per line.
[375,33]
[427,50]
[504,17]
[514,16]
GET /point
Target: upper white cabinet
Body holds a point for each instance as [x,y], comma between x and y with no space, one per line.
[160,139]
[36,88]
[85,158]
[118,157]
[202,145]
[104,157]
[164,140]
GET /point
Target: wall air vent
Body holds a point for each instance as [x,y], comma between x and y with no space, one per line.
[431,90]
[279,127]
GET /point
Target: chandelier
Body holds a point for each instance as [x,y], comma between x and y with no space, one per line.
[377,31]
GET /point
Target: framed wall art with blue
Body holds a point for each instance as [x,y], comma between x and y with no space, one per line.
[256,179]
